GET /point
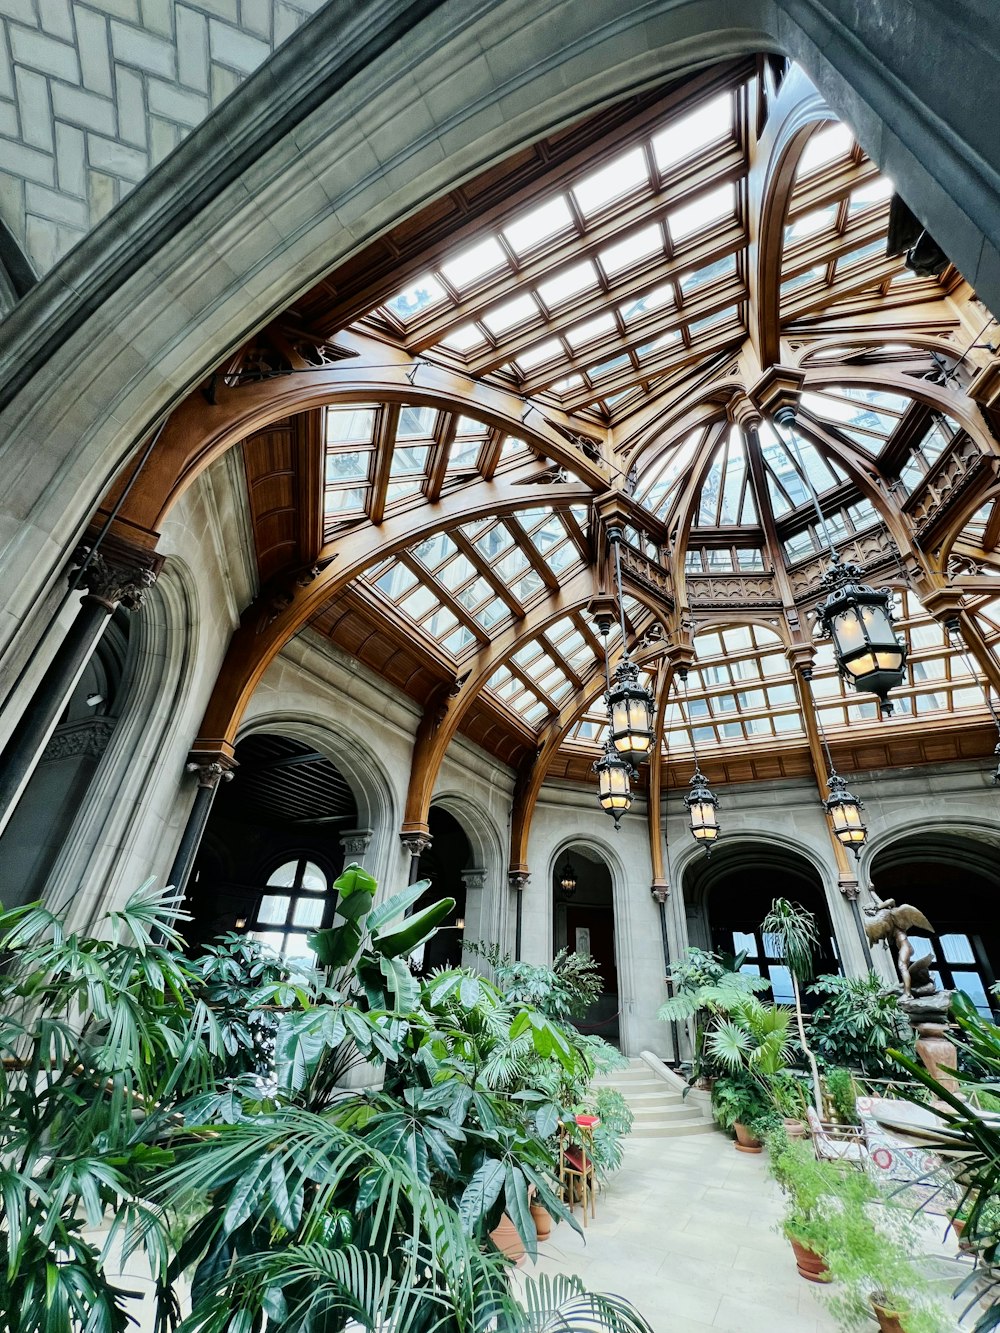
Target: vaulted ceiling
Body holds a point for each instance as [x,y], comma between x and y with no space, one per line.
[609,318]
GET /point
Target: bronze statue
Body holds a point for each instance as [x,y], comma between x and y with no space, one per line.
[889,920]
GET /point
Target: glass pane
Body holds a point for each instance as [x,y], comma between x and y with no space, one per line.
[274,909]
[957,949]
[284,876]
[313,878]
[297,947]
[308,912]
[781,984]
[744,942]
[273,939]
[972,984]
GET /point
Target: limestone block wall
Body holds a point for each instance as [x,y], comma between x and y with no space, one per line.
[95,93]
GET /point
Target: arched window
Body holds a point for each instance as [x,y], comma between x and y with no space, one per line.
[295,901]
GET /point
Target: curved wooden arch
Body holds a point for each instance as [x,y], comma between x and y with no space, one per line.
[274,618]
[198,431]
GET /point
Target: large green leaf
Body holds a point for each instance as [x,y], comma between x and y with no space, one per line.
[299,1042]
[481,1193]
[355,880]
[516,1200]
[414,930]
[396,905]
[402,985]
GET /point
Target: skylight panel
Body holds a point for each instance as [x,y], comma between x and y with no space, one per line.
[416,423]
[568,283]
[474,264]
[608,367]
[465,338]
[703,212]
[589,330]
[824,147]
[669,339]
[396,581]
[540,353]
[344,500]
[722,268]
[871,251]
[350,425]
[668,476]
[689,134]
[632,250]
[347,465]
[809,224]
[720,317]
[408,462]
[538,225]
[517,311]
[875,192]
[618,178]
[420,296]
[459,640]
[815,274]
[433,550]
[643,305]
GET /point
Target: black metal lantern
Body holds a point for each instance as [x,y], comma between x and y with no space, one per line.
[567,880]
[630,714]
[844,810]
[859,621]
[614,776]
[703,806]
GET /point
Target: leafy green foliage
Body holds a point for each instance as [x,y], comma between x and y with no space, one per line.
[739,1099]
[842,1092]
[855,1022]
[563,991]
[136,1090]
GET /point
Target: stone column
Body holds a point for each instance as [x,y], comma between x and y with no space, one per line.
[354,843]
[518,881]
[113,576]
[475,910]
[211,770]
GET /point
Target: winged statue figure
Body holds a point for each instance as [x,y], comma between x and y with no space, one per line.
[889,921]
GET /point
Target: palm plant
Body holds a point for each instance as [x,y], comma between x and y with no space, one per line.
[793,935]
[708,986]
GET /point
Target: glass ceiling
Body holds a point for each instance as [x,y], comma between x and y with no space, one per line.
[596,292]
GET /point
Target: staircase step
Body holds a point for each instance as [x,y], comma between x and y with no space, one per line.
[671,1130]
[649,1114]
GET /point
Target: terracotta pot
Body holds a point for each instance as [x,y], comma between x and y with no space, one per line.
[811,1265]
[795,1129]
[888,1321]
[745,1141]
[543,1221]
[507,1239]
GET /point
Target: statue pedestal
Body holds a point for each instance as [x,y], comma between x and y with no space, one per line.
[928,1016]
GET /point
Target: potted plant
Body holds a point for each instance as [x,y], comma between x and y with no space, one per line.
[790,1099]
[868,1254]
[740,1107]
[793,934]
[810,1189]
[705,987]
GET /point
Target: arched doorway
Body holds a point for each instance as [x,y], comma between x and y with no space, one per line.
[443,863]
[272,849]
[729,894]
[966,940]
[584,922]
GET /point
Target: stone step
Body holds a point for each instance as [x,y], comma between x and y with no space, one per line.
[671,1130]
[666,1098]
[643,1115]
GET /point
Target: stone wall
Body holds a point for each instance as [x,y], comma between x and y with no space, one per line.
[95,93]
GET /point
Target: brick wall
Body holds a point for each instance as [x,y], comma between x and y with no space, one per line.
[93,93]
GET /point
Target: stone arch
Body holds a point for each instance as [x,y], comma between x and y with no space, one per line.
[602,848]
[134,316]
[485,901]
[371,787]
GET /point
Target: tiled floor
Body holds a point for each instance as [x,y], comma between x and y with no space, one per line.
[686,1231]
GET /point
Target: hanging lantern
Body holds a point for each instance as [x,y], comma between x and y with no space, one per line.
[844,810]
[615,788]
[567,880]
[859,621]
[630,714]
[703,805]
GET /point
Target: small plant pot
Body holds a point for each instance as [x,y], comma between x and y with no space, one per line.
[888,1320]
[810,1265]
[507,1239]
[795,1129]
[543,1221]
[745,1141]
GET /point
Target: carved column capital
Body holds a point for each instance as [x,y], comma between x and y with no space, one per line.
[211,769]
[518,879]
[415,842]
[850,888]
[355,841]
[660,890]
[474,879]
[115,575]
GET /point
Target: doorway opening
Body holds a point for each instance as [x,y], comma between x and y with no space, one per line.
[730,895]
[954,880]
[442,863]
[584,922]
